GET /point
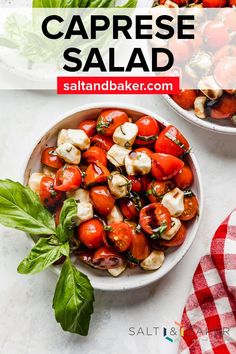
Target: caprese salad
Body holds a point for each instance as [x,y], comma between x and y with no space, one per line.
[132,188]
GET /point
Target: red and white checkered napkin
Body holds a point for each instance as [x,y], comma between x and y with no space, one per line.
[209,317]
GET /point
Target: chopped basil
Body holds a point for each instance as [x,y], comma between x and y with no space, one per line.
[136,200]
[177,141]
[101,125]
[131,258]
[122,130]
[147,138]
[107,228]
[159,230]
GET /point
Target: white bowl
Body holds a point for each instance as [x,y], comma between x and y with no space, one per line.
[223,126]
[131,278]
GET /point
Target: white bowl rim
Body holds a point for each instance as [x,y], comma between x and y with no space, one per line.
[192,118]
[155,275]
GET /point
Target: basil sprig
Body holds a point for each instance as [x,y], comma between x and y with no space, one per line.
[20,208]
[80,3]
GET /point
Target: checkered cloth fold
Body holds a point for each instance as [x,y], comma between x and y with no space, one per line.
[209,317]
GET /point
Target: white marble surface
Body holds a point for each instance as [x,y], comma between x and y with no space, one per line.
[27,324]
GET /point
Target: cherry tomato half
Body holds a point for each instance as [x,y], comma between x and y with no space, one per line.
[102,141]
[172,142]
[119,236]
[145,150]
[128,209]
[177,240]
[86,257]
[139,247]
[223,108]
[48,195]
[216,34]
[91,233]
[165,166]
[88,126]
[67,178]
[185,98]
[148,129]
[102,199]
[50,158]
[190,208]
[157,189]
[109,120]
[96,173]
[95,154]
[154,216]
[106,258]
[139,184]
[184,178]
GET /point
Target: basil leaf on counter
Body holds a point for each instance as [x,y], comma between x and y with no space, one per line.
[73,300]
[67,219]
[20,208]
[42,255]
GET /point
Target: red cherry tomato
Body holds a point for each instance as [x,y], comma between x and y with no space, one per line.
[102,141]
[224,52]
[171,142]
[86,257]
[157,189]
[224,107]
[185,98]
[232,3]
[181,48]
[95,154]
[148,129]
[153,216]
[139,184]
[177,240]
[216,34]
[224,72]
[88,126]
[68,178]
[119,236]
[145,150]
[102,199]
[96,173]
[91,233]
[50,158]
[213,3]
[109,120]
[106,258]
[139,247]
[184,178]
[128,209]
[190,208]
[165,166]
[48,195]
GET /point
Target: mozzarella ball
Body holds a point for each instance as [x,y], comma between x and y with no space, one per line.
[84,212]
[69,153]
[117,271]
[137,163]
[153,261]
[175,226]
[115,215]
[174,202]
[119,185]
[34,181]
[116,155]
[125,134]
[80,195]
[76,137]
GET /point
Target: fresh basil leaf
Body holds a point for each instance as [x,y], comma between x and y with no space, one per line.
[129,3]
[73,300]
[43,254]
[67,220]
[7,43]
[20,208]
[81,3]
